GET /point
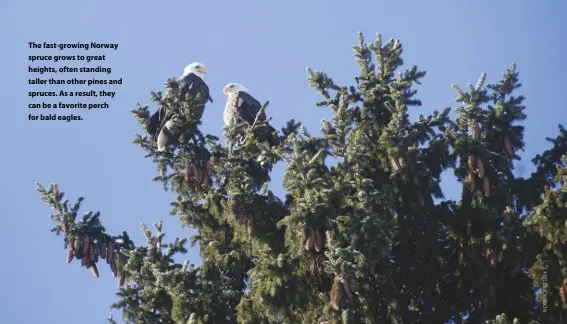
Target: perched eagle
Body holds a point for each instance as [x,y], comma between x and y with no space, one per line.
[162,125]
[242,107]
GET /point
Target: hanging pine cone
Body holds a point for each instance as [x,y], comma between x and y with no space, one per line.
[69,255]
[84,261]
[475,131]
[94,270]
[250,226]
[471,180]
[86,244]
[508,147]
[564,285]
[353,285]
[188,173]
[346,288]
[303,233]
[395,164]
[471,162]
[318,241]
[401,162]
[92,255]
[110,252]
[336,295]
[562,294]
[486,187]
[480,167]
[420,199]
[121,281]
[113,269]
[492,259]
[310,243]
[102,250]
[77,249]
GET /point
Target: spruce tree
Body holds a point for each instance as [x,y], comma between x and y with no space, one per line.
[364,233]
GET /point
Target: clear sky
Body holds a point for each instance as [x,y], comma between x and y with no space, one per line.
[265,45]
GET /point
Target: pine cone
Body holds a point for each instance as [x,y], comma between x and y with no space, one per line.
[353,285]
[565,285]
[493,259]
[69,255]
[318,241]
[86,244]
[310,242]
[113,269]
[395,164]
[486,187]
[509,147]
[346,288]
[77,249]
[110,252]
[562,294]
[121,281]
[420,199]
[336,295]
[480,167]
[471,162]
[71,245]
[516,270]
[102,250]
[475,131]
[92,255]
[84,262]
[188,173]
[250,225]
[401,162]
[303,233]
[94,270]
[472,182]
[500,256]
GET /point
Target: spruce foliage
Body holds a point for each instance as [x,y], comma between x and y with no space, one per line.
[370,239]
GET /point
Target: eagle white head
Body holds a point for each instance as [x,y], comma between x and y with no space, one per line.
[197,68]
[233,88]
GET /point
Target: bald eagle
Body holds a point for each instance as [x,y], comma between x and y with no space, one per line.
[242,107]
[162,126]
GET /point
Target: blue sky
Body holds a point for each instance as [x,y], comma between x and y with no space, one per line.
[263,45]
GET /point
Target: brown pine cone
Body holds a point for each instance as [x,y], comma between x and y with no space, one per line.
[318,241]
[250,225]
[110,252]
[94,270]
[121,281]
[102,250]
[486,187]
[346,288]
[69,255]
[420,199]
[113,269]
[480,167]
[77,249]
[509,147]
[475,131]
[86,244]
[336,295]
[303,233]
[471,162]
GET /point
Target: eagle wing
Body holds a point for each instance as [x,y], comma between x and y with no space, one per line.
[247,107]
[193,84]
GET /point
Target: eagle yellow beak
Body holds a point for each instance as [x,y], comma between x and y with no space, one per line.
[225,90]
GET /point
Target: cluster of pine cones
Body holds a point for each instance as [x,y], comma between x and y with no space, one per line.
[563,290]
[199,175]
[476,166]
[341,289]
[82,247]
[495,258]
[313,239]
